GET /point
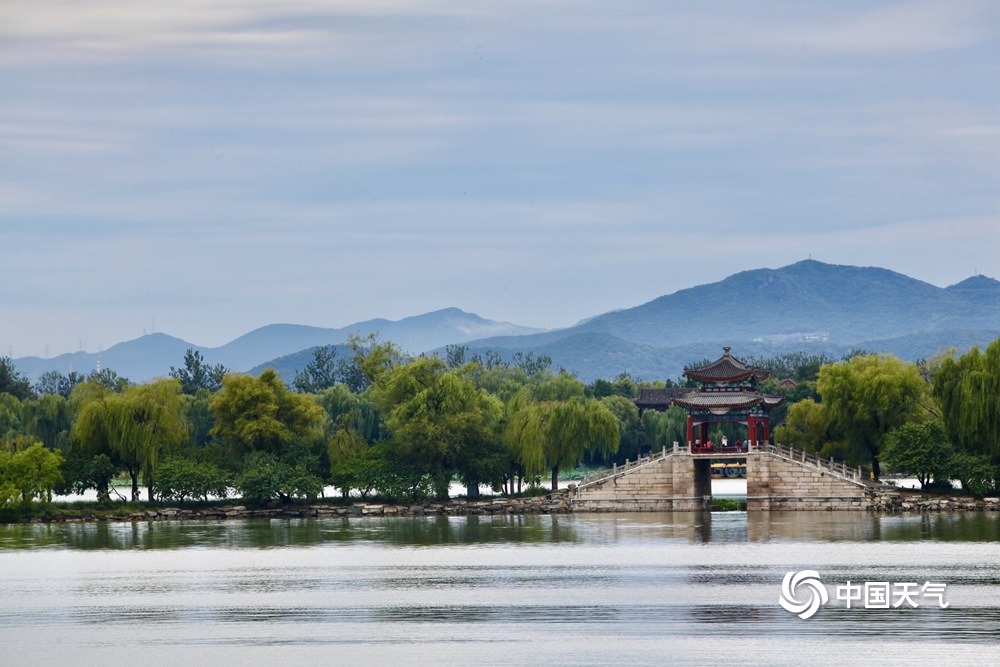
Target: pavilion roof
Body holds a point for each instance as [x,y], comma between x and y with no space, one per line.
[726,368]
[659,398]
[733,400]
[704,400]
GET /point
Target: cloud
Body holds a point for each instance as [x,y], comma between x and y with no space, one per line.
[893,28]
[538,162]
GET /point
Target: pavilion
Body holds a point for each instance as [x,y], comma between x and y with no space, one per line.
[727,393]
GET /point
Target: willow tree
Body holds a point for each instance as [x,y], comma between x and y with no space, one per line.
[48,419]
[807,427]
[550,435]
[261,414]
[967,389]
[442,421]
[629,427]
[136,428]
[866,398]
[353,427]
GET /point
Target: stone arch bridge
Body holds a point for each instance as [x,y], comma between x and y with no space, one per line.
[679,480]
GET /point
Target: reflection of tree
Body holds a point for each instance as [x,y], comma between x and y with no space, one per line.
[473,529]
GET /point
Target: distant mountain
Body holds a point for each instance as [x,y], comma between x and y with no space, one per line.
[139,359]
[851,304]
[599,355]
[804,302]
[416,334]
[808,306]
[151,356]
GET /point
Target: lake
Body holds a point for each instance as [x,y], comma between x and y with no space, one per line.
[632,589]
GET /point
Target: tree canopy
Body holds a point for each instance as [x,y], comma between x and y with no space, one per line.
[196,374]
[262,414]
[440,419]
[135,428]
[867,397]
[550,435]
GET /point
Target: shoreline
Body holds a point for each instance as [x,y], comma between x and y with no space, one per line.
[881,502]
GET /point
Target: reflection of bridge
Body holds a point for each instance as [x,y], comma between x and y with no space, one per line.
[680,479]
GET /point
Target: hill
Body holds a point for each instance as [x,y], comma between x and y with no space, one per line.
[808,306]
[152,355]
[846,304]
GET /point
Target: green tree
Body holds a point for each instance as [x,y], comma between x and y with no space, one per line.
[11,417]
[181,477]
[866,398]
[30,472]
[54,382]
[199,417]
[807,427]
[12,382]
[623,385]
[530,364]
[372,361]
[353,428]
[135,429]
[109,379]
[440,420]
[922,450]
[82,470]
[976,473]
[196,374]
[967,389]
[663,429]
[321,373]
[631,434]
[550,435]
[266,477]
[455,356]
[261,414]
[48,418]
[562,386]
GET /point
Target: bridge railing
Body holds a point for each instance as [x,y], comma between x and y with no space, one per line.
[826,465]
[628,465]
[838,468]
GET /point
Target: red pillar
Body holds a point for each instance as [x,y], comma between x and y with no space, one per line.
[690,430]
[751,430]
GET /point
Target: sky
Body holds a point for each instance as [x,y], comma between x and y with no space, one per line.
[203,168]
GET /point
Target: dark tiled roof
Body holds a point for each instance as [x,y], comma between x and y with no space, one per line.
[707,400]
[659,398]
[703,400]
[773,401]
[726,368]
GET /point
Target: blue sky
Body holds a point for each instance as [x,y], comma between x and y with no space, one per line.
[209,167]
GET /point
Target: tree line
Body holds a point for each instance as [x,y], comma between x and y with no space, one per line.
[373,421]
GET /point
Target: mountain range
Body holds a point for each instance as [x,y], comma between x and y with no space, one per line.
[809,306]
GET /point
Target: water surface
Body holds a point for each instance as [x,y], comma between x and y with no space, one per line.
[669,588]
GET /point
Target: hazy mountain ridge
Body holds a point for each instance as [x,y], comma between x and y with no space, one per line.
[152,355]
[759,312]
[852,304]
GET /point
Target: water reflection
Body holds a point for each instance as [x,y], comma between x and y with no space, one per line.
[864,527]
[437,531]
[271,533]
[644,589]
